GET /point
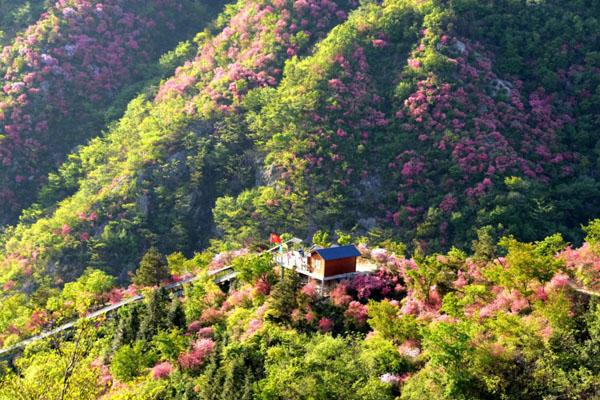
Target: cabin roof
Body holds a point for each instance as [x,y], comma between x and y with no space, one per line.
[334,253]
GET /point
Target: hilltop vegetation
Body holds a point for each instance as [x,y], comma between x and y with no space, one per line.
[452,326]
[154,177]
[16,15]
[406,121]
[67,75]
[425,127]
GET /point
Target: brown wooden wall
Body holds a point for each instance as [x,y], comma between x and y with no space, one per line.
[340,266]
[332,267]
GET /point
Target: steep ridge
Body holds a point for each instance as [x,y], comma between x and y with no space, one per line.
[407,123]
[64,72]
[154,177]
[16,15]
[397,125]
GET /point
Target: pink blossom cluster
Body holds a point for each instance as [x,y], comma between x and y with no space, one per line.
[201,349]
[206,332]
[325,325]
[194,327]
[380,255]
[393,379]
[77,54]
[339,295]
[349,116]
[305,315]
[105,379]
[37,320]
[310,290]
[115,295]
[242,297]
[584,263]
[409,348]
[162,370]
[254,325]
[560,280]
[415,304]
[262,286]
[480,133]
[211,316]
[249,53]
[224,258]
[505,300]
[356,312]
[382,283]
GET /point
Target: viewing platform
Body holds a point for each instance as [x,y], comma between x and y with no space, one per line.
[325,264]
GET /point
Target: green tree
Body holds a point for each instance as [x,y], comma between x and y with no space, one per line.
[385,319]
[128,362]
[169,344]
[252,266]
[211,381]
[247,390]
[153,269]
[61,373]
[155,315]
[321,238]
[283,298]
[592,231]
[484,247]
[527,262]
[327,368]
[86,290]
[398,248]
[343,239]
[128,326]
[176,315]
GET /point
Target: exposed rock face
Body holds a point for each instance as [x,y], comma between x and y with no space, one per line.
[455,47]
[500,88]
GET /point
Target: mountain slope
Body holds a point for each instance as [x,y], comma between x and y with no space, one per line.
[63,74]
[440,141]
[462,133]
[411,121]
[154,176]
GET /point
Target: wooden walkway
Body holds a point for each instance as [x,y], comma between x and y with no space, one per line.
[173,287]
[105,310]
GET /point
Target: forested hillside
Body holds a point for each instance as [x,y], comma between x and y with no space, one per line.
[522,325]
[460,136]
[69,74]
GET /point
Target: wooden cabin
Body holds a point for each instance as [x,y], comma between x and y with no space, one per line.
[333,261]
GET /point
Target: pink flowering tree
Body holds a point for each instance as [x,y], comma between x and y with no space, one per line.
[162,370]
[197,356]
[75,59]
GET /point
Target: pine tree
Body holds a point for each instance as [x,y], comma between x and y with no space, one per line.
[283,299]
[128,326]
[234,379]
[155,315]
[213,379]
[247,390]
[153,269]
[176,315]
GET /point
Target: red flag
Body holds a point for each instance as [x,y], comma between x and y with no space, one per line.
[274,238]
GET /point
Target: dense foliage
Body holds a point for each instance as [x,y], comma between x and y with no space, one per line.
[16,15]
[61,75]
[455,140]
[437,140]
[153,178]
[525,325]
